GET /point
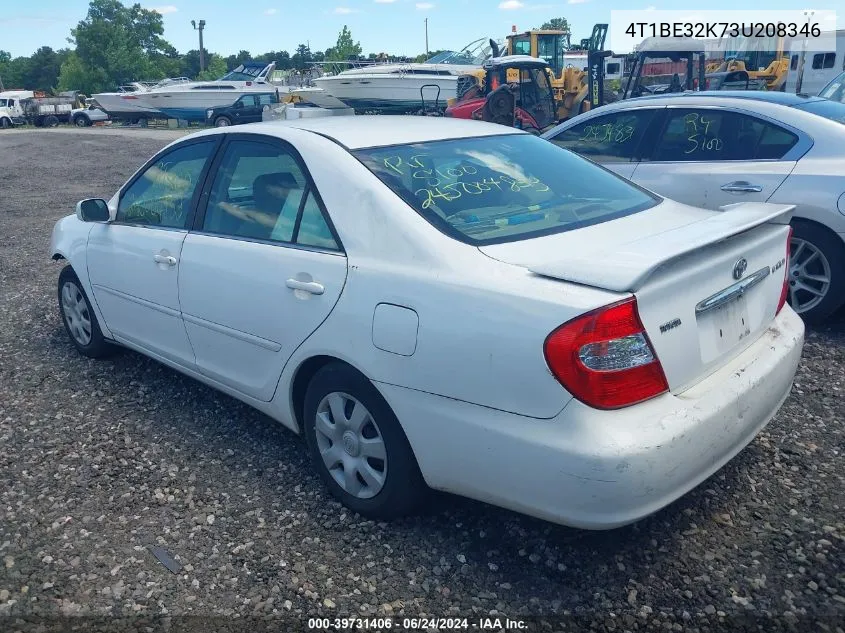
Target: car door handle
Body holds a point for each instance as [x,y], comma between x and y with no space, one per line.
[740,186]
[308,286]
[165,259]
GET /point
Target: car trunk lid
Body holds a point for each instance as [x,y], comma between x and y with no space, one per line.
[707,283]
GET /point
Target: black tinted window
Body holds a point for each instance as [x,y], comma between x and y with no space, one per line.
[793,64]
[710,135]
[613,138]
[823,60]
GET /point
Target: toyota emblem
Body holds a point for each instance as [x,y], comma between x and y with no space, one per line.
[739,268]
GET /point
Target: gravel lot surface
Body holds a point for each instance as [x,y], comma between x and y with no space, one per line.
[100,461]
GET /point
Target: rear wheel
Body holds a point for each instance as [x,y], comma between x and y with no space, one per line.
[357,445]
[51,121]
[816,272]
[222,121]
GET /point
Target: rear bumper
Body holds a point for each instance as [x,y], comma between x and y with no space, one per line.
[602,469]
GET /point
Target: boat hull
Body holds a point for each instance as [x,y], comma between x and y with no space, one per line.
[399,93]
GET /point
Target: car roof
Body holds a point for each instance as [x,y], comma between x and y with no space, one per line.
[357,132]
[770,96]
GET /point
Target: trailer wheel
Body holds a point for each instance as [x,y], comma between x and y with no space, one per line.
[5,123]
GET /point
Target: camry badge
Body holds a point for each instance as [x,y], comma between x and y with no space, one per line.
[739,268]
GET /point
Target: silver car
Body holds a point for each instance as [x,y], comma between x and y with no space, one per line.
[712,149]
[85,117]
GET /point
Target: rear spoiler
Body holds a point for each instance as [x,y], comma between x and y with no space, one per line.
[628,266]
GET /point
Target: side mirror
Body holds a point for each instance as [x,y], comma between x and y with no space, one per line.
[92,210]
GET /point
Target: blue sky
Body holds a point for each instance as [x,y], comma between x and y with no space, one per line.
[394,26]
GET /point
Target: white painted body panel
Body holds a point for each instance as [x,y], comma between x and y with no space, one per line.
[451,337]
[244,327]
[138,297]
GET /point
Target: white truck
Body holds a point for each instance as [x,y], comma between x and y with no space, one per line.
[27,106]
[820,67]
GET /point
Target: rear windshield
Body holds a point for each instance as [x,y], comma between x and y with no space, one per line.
[832,110]
[487,190]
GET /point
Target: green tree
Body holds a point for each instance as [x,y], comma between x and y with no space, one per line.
[346,48]
[116,44]
[301,57]
[215,67]
[74,75]
[556,24]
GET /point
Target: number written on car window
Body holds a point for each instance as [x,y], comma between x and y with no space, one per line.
[700,137]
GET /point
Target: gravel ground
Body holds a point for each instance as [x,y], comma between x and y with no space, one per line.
[103,460]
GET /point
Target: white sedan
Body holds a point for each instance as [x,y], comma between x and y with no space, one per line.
[446,304]
[711,149]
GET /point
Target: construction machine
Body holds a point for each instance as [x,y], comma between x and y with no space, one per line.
[764,59]
[569,65]
[513,90]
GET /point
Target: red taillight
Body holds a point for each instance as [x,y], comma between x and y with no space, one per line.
[785,290]
[604,358]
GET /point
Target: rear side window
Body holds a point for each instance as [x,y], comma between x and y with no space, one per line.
[711,135]
[260,193]
[612,138]
[487,190]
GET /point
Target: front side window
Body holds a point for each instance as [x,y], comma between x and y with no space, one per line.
[161,196]
[711,135]
[259,192]
[487,190]
[612,138]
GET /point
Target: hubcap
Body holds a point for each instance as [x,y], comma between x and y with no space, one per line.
[222,122]
[76,313]
[351,445]
[809,275]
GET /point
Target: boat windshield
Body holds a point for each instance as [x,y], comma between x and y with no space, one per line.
[244,72]
[473,54]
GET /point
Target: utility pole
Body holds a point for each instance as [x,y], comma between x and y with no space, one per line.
[202,51]
[800,78]
[426,37]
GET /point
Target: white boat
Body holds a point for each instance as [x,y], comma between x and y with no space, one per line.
[406,87]
[123,104]
[189,100]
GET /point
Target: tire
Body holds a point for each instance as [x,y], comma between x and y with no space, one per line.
[222,121]
[51,121]
[828,260]
[75,310]
[5,123]
[394,486]
[81,121]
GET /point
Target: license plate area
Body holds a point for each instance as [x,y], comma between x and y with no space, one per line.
[723,328]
